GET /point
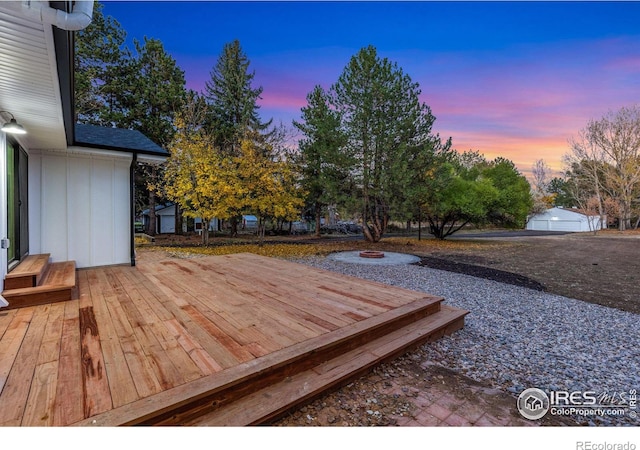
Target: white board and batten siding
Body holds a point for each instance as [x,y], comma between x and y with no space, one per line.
[79,206]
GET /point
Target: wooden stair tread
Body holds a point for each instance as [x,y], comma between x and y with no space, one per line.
[57,285]
[28,273]
[274,400]
[60,274]
[31,265]
[12,293]
[266,369]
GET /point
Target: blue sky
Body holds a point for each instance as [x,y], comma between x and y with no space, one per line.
[512,79]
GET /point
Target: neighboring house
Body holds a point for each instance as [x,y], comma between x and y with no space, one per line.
[165,218]
[166,221]
[561,219]
[249,222]
[65,189]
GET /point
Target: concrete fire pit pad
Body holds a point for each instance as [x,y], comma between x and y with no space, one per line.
[388,260]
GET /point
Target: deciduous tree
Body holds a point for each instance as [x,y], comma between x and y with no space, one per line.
[464,189]
[455,199]
[265,186]
[199,179]
[617,135]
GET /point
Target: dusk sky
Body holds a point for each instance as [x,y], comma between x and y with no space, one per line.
[512,79]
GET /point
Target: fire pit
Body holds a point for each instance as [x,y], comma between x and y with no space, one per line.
[371,254]
[373,258]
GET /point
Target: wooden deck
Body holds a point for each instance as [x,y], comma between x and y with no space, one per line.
[177,341]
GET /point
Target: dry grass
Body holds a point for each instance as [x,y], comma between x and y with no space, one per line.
[602,269]
[273,250]
[325,247]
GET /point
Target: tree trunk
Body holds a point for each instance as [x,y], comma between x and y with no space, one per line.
[178,226]
[318,217]
[261,228]
[374,222]
[151,226]
[205,231]
[233,222]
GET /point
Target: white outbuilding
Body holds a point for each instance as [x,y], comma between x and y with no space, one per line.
[565,219]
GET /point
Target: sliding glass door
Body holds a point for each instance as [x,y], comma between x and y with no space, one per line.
[17,203]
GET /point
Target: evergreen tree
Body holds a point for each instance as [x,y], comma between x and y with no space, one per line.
[324,164]
[384,121]
[101,64]
[232,100]
[156,89]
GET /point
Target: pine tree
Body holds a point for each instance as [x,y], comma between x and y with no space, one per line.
[155,90]
[384,120]
[323,160]
[101,63]
[232,99]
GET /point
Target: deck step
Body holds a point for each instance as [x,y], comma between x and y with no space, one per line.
[264,389]
[275,400]
[56,285]
[28,273]
[220,390]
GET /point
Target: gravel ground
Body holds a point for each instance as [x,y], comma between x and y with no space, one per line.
[516,338]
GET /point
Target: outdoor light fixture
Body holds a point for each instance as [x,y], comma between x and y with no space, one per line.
[12,126]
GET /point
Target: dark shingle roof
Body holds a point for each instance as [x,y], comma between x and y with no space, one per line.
[116,139]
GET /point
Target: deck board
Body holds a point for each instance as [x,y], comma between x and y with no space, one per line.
[115,362]
[12,340]
[137,340]
[69,406]
[6,316]
[16,390]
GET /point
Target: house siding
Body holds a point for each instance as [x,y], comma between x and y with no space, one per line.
[79,206]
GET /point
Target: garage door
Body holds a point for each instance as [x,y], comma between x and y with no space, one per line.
[167,224]
[541,225]
[564,225]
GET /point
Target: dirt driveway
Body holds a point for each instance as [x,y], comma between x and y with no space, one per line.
[602,269]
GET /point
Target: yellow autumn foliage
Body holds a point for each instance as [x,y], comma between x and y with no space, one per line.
[208,184]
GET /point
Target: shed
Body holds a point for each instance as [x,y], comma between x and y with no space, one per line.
[249,222]
[565,219]
[165,218]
